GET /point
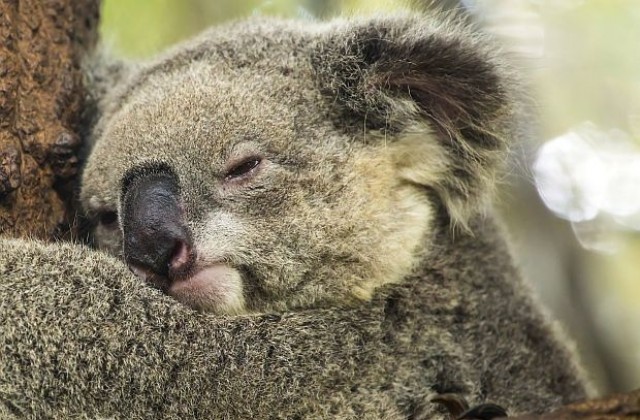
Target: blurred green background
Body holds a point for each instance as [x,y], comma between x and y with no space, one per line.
[581,60]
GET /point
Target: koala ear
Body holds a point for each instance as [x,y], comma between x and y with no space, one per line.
[105,76]
[104,71]
[437,94]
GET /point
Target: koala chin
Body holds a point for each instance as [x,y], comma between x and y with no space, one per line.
[276,165]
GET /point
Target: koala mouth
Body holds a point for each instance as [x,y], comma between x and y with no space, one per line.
[216,288]
[213,287]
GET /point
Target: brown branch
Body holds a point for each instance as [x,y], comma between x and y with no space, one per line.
[616,406]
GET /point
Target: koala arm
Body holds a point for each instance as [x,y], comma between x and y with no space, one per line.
[85,339]
[81,337]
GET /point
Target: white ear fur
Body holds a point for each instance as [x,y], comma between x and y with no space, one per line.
[419,159]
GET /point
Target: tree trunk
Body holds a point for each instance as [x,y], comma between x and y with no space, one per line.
[42,44]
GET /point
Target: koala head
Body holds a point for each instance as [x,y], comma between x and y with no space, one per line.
[274,165]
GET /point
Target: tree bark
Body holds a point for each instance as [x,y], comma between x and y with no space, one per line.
[42,45]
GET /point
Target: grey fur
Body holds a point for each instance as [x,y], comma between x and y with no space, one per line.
[360,297]
[81,337]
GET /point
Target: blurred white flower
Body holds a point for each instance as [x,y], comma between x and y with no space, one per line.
[591,177]
[569,177]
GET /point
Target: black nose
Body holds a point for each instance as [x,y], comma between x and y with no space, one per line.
[156,237]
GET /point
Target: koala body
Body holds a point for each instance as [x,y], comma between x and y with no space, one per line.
[317,191]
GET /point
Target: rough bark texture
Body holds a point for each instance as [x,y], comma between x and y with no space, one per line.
[41,99]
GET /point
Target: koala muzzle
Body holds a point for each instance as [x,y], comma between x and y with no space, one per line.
[156,237]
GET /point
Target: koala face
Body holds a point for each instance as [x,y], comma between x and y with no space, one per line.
[269,165]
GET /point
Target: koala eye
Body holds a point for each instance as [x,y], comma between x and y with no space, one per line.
[243,168]
[108,219]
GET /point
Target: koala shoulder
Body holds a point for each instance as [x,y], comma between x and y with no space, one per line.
[78,323]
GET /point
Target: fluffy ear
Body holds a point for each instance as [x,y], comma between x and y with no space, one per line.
[103,74]
[437,94]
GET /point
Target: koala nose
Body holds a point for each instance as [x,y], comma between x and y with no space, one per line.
[156,237]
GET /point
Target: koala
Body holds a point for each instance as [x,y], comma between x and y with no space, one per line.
[305,207]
